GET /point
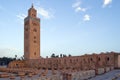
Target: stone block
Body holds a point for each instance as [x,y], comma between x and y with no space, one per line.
[21,74]
[12,77]
[100,71]
[111,68]
[107,69]
[4,75]
[82,75]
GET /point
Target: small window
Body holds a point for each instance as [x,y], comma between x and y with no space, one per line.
[35,30]
[34,23]
[32,14]
[108,59]
[34,53]
[34,37]
[17,65]
[99,59]
[34,41]
[26,29]
[91,59]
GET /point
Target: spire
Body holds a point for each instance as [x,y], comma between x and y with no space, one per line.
[32,6]
[32,11]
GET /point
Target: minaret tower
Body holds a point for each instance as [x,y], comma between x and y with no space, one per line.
[32,35]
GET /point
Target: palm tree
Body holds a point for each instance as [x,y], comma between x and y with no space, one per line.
[15,57]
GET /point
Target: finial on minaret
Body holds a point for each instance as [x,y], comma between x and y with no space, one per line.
[32,6]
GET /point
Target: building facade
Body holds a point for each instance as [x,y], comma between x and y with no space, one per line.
[84,62]
[32,35]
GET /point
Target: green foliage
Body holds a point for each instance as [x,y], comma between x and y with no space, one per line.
[61,55]
[6,60]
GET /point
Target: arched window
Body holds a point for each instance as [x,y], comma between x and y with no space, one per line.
[34,41]
[91,59]
[34,37]
[99,59]
[34,24]
[108,58]
[35,30]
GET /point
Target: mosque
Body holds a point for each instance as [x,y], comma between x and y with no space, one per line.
[32,59]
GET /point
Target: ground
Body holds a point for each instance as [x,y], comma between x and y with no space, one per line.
[111,75]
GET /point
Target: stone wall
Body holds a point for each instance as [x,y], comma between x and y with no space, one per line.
[79,63]
[84,62]
[17,64]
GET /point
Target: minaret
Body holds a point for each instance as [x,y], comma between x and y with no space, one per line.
[32,35]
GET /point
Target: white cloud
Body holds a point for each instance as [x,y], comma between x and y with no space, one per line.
[47,14]
[11,52]
[107,2]
[86,17]
[21,16]
[77,4]
[78,8]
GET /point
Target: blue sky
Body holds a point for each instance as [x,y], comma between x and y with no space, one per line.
[73,27]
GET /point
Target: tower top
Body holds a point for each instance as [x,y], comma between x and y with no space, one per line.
[32,11]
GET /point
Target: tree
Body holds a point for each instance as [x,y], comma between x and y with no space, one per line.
[69,55]
[5,60]
[57,56]
[53,55]
[64,55]
[15,57]
[22,57]
[61,55]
